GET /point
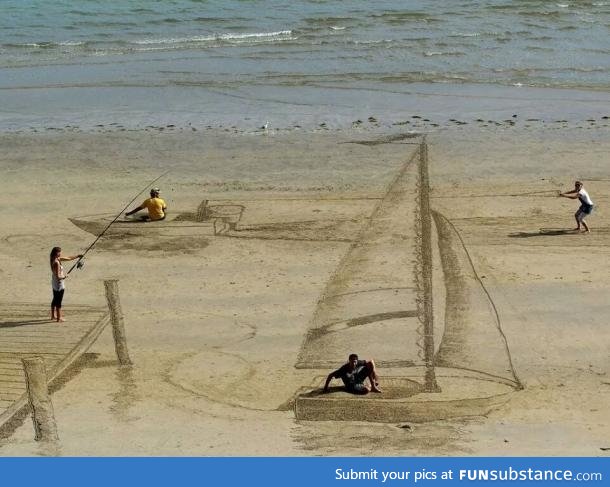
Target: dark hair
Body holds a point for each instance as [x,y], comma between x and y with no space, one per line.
[577,183]
[352,356]
[53,256]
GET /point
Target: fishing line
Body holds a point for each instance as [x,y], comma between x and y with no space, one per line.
[79,263]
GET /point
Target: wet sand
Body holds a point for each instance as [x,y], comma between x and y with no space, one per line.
[215,323]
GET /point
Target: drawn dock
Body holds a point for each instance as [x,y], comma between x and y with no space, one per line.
[26,331]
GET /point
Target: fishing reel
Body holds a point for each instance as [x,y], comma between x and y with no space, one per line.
[80,264]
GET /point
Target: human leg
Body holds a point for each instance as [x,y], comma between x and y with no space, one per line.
[358,388]
[577,216]
[60,297]
[586,211]
[580,217]
[373,376]
[54,304]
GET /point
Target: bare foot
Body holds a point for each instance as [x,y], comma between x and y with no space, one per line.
[60,320]
[375,388]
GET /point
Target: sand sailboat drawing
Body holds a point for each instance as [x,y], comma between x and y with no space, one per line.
[226,219]
[439,358]
[206,220]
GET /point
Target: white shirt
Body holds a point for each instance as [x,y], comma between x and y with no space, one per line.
[58,284]
[584,197]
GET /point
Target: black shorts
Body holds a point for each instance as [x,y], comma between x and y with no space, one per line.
[586,209]
[58,296]
[357,386]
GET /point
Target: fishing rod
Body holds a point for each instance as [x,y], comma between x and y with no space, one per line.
[79,263]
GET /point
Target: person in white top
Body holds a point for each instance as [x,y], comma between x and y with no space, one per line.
[57,281]
[586,204]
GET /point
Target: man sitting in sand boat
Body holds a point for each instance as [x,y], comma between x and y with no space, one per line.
[586,204]
[353,374]
[156,207]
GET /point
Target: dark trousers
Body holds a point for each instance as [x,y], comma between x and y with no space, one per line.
[58,296]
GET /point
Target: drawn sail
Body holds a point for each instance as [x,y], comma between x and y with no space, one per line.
[370,305]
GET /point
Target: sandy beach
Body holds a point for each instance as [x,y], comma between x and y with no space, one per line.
[216,322]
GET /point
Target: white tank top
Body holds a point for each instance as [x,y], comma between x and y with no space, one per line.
[584,197]
[58,284]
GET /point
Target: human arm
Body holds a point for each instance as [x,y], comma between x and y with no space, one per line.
[336,374]
[135,210]
[60,275]
[72,257]
[570,194]
[328,379]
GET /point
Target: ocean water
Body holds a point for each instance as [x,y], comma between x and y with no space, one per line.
[219,60]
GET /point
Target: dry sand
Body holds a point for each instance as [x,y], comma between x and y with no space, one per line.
[215,323]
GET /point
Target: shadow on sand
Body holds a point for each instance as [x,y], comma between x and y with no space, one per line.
[13,324]
[544,232]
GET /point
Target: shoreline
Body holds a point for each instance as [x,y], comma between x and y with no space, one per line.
[319,107]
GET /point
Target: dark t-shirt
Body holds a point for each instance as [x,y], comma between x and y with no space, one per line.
[350,377]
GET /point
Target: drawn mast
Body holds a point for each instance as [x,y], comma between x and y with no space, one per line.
[426,315]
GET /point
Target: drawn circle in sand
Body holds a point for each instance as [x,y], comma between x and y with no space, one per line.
[221,377]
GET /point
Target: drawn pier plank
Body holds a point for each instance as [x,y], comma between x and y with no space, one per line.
[26,331]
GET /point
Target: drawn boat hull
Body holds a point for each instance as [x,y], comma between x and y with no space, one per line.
[96,224]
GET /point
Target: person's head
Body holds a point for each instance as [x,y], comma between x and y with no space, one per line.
[577,184]
[352,360]
[154,193]
[55,253]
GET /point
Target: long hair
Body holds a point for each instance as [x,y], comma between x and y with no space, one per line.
[53,256]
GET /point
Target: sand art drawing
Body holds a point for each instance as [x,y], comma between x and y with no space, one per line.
[39,337]
[264,291]
[217,220]
[441,357]
[380,180]
[207,220]
[380,301]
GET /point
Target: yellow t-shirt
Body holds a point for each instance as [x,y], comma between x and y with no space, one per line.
[155,207]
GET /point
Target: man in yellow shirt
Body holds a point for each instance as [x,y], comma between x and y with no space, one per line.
[156,207]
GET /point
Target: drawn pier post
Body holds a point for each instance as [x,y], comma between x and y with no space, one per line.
[116,318]
[45,428]
[427,315]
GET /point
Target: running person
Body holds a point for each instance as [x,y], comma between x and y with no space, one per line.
[58,277]
[586,204]
[353,374]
